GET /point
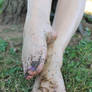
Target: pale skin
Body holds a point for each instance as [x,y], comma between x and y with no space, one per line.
[43,42]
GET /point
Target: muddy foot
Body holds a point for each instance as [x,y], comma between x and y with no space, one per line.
[34,50]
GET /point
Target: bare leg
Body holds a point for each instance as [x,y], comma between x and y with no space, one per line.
[37,32]
[68,16]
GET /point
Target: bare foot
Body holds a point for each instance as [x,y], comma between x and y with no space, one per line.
[34,50]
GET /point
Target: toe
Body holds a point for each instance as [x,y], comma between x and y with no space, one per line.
[30,73]
[29,77]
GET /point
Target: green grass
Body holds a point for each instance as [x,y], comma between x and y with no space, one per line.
[77,68]
[1,5]
[11,73]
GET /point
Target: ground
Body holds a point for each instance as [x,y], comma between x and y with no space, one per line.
[77,65]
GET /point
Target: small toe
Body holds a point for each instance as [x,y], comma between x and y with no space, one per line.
[29,77]
[30,72]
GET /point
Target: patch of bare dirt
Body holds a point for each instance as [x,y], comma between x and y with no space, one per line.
[11,31]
